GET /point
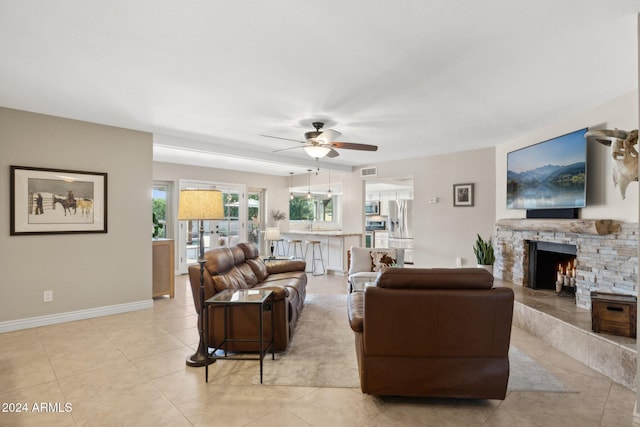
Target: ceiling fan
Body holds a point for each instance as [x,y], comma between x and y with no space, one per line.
[320,143]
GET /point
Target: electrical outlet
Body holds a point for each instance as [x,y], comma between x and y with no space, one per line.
[459,262]
[48,296]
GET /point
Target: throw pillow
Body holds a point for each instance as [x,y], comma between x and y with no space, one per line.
[360,259]
[382,260]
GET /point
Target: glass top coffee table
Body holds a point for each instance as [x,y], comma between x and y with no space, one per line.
[263,300]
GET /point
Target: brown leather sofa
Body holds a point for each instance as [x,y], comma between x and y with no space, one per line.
[240,267]
[433,332]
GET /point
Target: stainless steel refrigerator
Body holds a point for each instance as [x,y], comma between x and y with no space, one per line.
[401,227]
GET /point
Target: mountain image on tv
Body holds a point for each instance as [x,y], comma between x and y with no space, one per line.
[551,174]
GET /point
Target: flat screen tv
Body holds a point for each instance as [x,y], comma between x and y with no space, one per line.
[548,175]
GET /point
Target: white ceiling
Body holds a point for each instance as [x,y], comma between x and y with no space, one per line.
[414,77]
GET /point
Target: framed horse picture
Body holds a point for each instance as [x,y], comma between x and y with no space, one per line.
[55,201]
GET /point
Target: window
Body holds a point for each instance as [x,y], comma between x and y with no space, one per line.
[159,197]
[253,209]
[302,208]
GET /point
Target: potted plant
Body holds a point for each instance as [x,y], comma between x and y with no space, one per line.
[483,249]
[278,215]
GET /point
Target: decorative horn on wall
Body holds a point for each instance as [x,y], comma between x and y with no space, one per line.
[624,156]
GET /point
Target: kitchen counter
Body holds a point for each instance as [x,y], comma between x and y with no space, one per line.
[334,244]
[322,233]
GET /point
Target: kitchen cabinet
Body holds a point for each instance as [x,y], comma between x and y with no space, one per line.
[163,270]
[381,239]
[384,203]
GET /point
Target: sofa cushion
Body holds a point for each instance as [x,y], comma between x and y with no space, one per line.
[249,276]
[435,278]
[285,265]
[238,255]
[219,261]
[259,268]
[233,279]
[251,250]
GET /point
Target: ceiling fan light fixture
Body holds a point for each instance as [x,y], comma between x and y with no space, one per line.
[317,151]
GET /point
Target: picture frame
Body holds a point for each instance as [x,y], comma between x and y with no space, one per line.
[57,201]
[462,195]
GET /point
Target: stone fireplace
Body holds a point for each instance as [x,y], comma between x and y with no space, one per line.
[606,254]
[552,265]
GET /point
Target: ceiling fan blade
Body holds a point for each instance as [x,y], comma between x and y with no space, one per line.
[328,136]
[354,146]
[333,153]
[286,139]
[289,148]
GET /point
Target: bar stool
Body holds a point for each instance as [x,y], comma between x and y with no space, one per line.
[295,244]
[313,244]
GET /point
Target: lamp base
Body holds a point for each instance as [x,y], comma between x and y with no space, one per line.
[199,358]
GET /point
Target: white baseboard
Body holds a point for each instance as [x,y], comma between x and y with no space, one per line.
[52,319]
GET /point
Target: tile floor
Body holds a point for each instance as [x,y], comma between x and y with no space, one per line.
[129,370]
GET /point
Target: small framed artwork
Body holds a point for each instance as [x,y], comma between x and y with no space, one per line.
[462,194]
[56,201]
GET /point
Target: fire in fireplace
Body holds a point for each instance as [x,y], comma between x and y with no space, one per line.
[552,262]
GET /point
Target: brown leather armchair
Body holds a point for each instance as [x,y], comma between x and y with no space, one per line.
[433,332]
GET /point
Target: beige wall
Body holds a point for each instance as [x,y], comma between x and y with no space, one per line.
[603,199]
[85,271]
[443,232]
[276,187]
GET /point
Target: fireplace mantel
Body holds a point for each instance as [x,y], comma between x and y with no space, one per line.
[581,226]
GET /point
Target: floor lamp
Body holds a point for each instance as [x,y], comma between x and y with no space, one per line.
[200,205]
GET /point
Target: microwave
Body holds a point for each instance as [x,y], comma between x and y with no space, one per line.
[372,208]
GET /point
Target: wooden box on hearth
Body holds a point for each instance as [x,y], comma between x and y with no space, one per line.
[613,314]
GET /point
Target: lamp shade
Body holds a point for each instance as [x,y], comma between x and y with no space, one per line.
[317,151]
[200,204]
[272,234]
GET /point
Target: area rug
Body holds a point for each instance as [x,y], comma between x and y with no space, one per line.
[322,354]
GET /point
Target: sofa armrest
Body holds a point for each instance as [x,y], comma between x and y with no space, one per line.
[355,309]
[285,265]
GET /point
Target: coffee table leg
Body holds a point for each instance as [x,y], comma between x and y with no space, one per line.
[273,322]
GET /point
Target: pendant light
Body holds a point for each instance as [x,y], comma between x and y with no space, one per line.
[309,192]
[329,191]
[290,185]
